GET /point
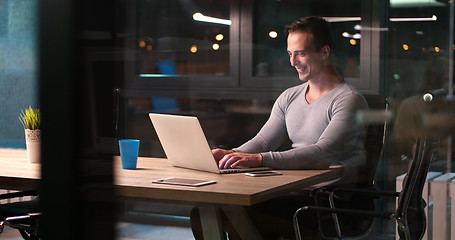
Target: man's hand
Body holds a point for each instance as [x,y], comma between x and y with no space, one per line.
[219,153]
[231,159]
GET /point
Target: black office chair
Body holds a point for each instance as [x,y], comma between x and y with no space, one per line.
[410,207]
[409,213]
[375,144]
[21,215]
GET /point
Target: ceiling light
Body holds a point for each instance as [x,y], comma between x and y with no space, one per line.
[358,27]
[273,34]
[201,18]
[415,3]
[219,37]
[432,18]
[193,49]
[342,19]
[348,35]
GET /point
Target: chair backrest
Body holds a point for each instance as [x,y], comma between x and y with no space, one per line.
[376,136]
[410,206]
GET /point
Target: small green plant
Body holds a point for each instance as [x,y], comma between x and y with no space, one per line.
[30,118]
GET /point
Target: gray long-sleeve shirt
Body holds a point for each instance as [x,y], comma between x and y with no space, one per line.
[323,133]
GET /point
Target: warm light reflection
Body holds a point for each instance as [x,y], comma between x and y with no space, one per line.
[149,48]
[193,49]
[142,44]
[219,37]
[273,34]
[436,49]
[353,42]
[405,47]
[216,46]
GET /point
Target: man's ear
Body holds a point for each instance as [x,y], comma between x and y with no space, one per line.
[325,51]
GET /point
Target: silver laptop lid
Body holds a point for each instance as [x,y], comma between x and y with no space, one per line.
[184,141]
[185,144]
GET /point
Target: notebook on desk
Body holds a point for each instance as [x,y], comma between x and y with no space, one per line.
[185,145]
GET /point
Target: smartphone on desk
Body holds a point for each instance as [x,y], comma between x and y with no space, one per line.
[262,173]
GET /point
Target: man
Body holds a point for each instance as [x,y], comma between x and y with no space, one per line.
[318,116]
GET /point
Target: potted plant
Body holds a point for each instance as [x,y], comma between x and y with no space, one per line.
[31,120]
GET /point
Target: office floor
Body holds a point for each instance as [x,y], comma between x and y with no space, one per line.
[128,231]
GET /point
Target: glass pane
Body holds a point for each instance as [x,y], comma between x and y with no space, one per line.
[227,123]
[269,41]
[418,47]
[418,59]
[178,37]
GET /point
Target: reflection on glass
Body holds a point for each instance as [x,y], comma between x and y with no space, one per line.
[178,37]
[269,40]
[418,48]
[226,122]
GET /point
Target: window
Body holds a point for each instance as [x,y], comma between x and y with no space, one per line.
[355,50]
[269,40]
[181,41]
[418,47]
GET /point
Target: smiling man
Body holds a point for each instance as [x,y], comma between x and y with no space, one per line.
[318,116]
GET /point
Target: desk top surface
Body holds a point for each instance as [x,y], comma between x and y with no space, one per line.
[16,172]
[234,188]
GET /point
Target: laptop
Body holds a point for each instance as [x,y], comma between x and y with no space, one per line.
[185,145]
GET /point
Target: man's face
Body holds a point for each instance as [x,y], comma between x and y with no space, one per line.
[303,55]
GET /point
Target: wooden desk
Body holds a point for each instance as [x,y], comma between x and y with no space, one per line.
[15,171]
[230,191]
[234,189]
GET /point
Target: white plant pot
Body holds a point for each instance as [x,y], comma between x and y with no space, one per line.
[33,144]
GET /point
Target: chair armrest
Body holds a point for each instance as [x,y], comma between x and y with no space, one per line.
[369,191]
[11,221]
[344,210]
[334,211]
[373,192]
[29,215]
